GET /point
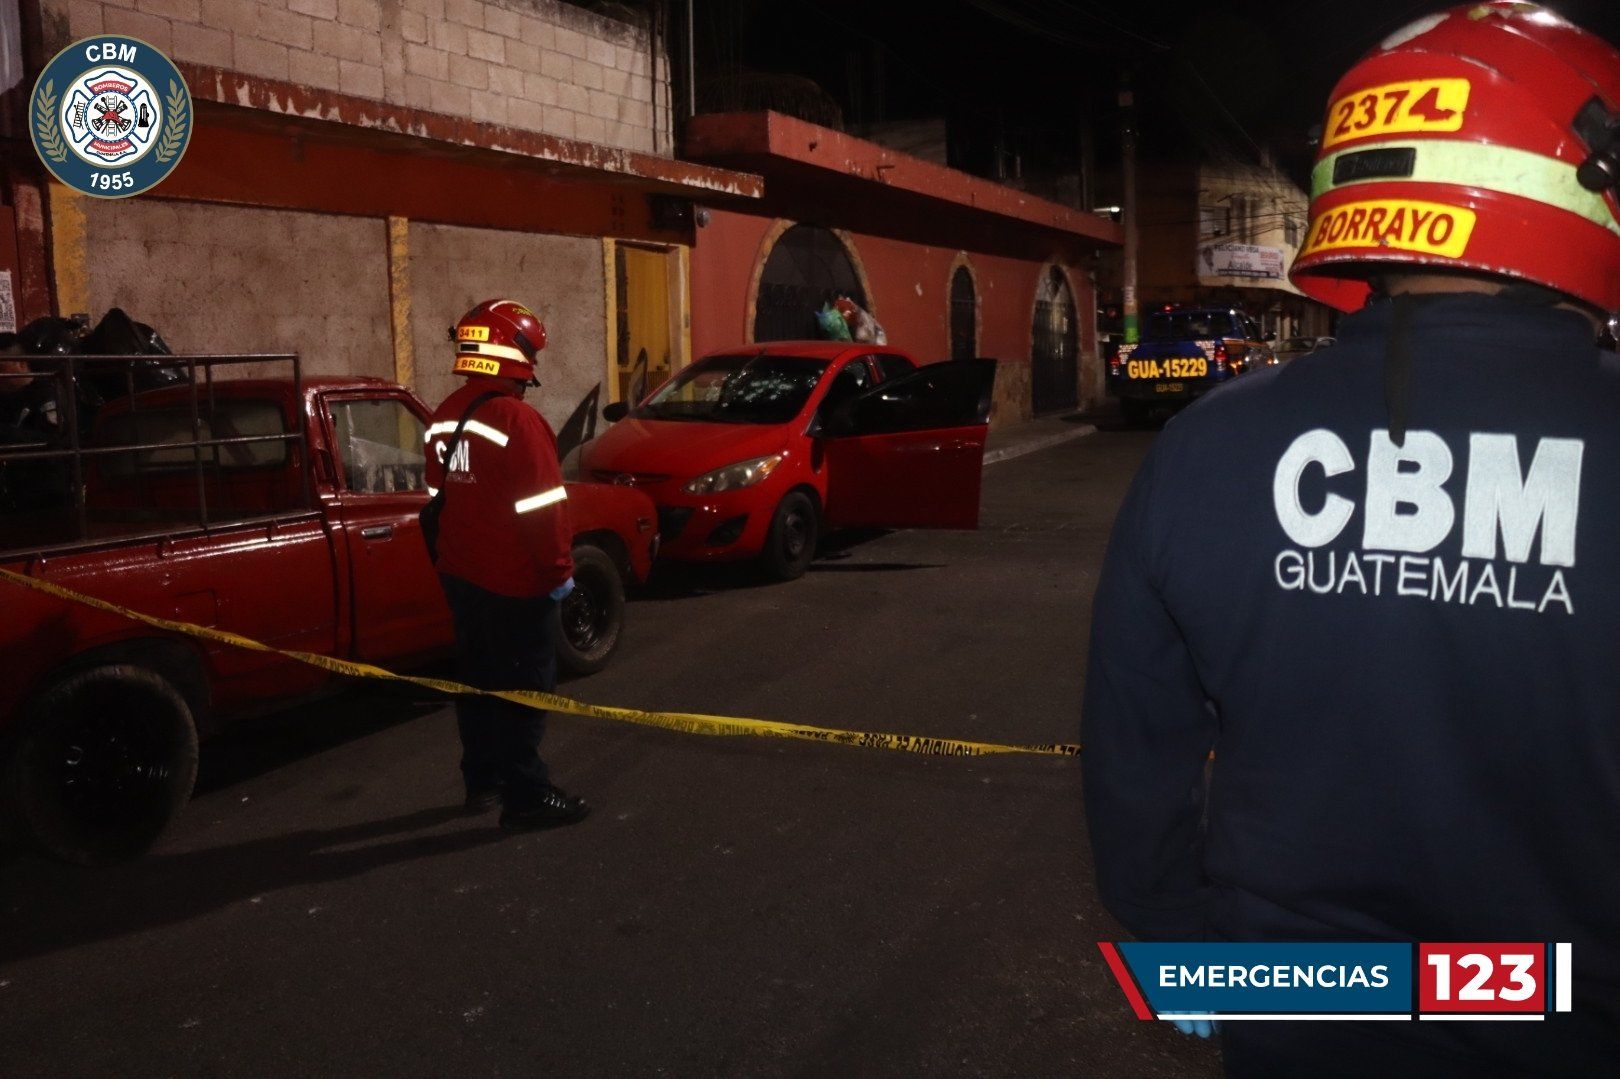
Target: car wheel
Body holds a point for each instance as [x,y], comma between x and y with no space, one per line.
[790,545]
[590,619]
[103,762]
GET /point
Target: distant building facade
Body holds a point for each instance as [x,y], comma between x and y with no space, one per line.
[950,264]
[1221,233]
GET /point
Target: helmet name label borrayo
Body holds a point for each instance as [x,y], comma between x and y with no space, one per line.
[1429,228]
[110,116]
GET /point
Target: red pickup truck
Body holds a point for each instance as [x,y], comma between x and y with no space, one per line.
[284,510]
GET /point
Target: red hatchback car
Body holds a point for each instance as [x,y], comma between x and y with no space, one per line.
[755,451]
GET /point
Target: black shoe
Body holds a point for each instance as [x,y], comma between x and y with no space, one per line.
[552,808]
[484,798]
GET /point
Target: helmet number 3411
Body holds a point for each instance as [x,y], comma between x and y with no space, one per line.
[110,116]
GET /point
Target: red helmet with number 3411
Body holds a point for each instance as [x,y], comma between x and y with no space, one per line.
[498,338]
[1484,138]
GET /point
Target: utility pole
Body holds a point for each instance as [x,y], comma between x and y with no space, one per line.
[1127,113]
[1088,164]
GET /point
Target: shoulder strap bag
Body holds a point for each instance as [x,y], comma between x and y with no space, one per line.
[435,505]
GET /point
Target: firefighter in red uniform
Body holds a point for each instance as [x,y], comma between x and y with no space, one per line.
[503,558]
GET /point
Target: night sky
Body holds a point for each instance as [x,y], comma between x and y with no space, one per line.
[1228,76]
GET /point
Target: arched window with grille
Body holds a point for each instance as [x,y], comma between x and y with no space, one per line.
[807,267]
[964,315]
[1055,351]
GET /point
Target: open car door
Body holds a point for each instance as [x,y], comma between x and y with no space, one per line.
[908,453]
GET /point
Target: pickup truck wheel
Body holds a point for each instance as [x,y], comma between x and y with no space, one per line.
[105,759]
[591,618]
[790,546]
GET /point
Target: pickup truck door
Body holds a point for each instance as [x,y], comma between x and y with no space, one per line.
[397,608]
[908,453]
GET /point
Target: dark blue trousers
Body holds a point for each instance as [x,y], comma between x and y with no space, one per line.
[502,642]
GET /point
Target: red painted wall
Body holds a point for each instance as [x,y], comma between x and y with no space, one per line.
[723,265]
[909,290]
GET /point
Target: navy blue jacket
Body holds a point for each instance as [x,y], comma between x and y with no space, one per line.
[1406,659]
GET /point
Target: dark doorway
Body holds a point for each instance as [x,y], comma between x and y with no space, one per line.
[964,316]
[1055,374]
[808,267]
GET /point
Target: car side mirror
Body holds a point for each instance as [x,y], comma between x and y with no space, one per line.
[615,412]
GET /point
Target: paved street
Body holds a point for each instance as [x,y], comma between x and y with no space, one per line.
[734,907]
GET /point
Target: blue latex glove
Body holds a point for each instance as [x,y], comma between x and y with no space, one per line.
[1203,1028]
[561,591]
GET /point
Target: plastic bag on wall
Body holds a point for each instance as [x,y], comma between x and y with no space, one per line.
[862,326]
[832,324]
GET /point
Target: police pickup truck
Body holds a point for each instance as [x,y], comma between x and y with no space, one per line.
[1185,352]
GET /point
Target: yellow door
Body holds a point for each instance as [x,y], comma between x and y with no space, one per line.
[643,358]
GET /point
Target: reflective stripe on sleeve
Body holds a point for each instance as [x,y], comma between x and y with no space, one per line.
[433,492]
[474,427]
[541,500]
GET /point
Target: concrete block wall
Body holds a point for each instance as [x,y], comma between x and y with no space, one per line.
[559,277]
[236,279]
[539,65]
[224,279]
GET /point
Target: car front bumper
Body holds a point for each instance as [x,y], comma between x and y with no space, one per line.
[727,527]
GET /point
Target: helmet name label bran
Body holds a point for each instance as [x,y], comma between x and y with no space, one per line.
[1397,108]
[477,365]
[1428,228]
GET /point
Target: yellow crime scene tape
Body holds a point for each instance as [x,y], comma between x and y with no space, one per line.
[691,723]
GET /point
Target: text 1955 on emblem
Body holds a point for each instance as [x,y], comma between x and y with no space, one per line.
[110,116]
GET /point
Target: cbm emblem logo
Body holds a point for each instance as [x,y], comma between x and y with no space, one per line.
[110,116]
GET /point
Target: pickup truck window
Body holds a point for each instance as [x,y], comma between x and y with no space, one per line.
[228,419]
[167,485]
[380,445]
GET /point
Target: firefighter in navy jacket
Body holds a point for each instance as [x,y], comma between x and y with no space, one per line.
[1382,583]
[503,558]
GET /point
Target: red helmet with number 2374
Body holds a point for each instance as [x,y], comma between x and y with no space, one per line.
[1484,138]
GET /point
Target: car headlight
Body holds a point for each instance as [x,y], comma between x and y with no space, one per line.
[733,477]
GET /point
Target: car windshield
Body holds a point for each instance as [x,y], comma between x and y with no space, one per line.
[745,388]
[1182,325]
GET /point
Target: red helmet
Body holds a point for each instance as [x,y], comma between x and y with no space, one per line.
[1473,139]
[499,338]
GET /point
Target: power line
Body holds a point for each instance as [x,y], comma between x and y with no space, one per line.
[1029,25]
[1084,9]
[1213,96]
